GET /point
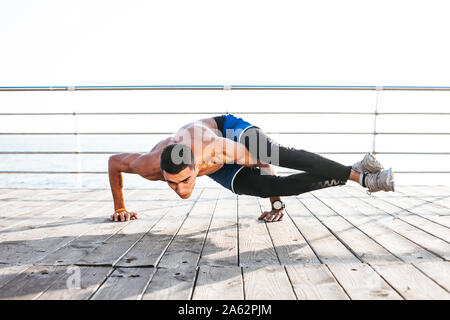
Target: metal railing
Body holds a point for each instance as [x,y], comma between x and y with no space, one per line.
[78,151]
[224,87]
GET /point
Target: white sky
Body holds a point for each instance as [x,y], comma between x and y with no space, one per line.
[93,42]
[96,42]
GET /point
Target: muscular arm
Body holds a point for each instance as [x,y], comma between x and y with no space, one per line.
[270,171]
[144,165]
[228,151]
[116,165]
[272,215]
[237,153]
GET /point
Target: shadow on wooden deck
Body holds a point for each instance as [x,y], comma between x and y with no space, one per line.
[334,243]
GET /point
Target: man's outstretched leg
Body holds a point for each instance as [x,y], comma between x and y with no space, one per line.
[251,181]
[369,171]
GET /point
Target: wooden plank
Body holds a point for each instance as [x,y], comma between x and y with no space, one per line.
[426,223]
[437,195]
[410,282]
[370,219]
[73,251]
[55,194]
[72,211]
[110,252]
[361,282]
[314,282]
[367,250]
[439,271]
[99,231]
[347,268]
[6,191]
[290,246]
[31,245]
[39,213]
[186,247]
[267,283]
[432,227]
[20,194]
[219,283]
[32,283]
[124,284]
[221,243]
[67,288]
[10,271]
[16,212]
[35,211]
[150,195]
[15,198]
[424,191]
[115,247]
[400,246]
[442,201]
[445,188]
[426,240]
[177,269]
[327,247]
[35,243]
[171,284]
[423,208]
[255,245]
[150,248]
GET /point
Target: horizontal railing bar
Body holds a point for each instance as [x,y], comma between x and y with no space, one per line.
[401,172]
[116,152]
[413,113]
[61,152]
[105,172]
[171,133]
[222,87]
[166,113]
[413,153]
[200,113]
[53,172]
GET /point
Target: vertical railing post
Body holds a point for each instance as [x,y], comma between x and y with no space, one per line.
[78,150]
[227,89]
[375,114]
[77,138]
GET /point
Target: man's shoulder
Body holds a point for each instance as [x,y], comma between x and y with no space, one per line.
[158,148]
[147,166]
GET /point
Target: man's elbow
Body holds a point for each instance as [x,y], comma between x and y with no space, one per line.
[112,160]
[114,163]
[124,163]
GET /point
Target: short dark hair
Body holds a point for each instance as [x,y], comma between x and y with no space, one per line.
[176,157]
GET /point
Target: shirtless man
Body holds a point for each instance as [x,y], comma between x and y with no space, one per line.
[239,156]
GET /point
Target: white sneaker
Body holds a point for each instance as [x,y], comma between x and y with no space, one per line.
[368,164]
[383,180]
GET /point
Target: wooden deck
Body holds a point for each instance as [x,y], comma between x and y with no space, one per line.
[334,243]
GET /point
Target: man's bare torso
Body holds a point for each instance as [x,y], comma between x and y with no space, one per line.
[197,135]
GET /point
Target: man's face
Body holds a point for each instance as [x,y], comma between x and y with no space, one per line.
[182,182]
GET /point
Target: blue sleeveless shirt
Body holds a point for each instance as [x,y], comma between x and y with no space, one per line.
[233,128]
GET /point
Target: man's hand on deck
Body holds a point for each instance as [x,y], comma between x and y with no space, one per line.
[272,216]
[123,216]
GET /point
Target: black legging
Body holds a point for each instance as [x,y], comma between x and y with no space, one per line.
[319,172]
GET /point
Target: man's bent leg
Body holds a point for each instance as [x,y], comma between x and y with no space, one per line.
[256,140]
[251,182]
